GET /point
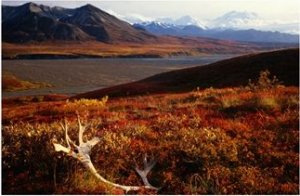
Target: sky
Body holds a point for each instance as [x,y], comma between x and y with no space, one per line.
[281,10]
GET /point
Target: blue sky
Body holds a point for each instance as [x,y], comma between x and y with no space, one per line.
[284,10]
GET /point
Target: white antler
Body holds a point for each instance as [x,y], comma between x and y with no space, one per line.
[83,151]
[81,130]
[147,168]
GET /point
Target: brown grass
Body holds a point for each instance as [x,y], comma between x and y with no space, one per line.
[168,46]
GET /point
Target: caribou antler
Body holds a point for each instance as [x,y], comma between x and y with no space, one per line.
[147,168]
[82,153]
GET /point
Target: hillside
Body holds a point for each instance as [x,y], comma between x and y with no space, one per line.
[228,73]
[31,22]
[12,83]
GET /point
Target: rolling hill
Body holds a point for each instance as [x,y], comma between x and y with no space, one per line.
[228,73]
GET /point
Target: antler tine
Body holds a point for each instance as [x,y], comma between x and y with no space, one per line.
[65,128]
[147,168]
[148,165]
[68,139]
[93,141]
[81,130]
[59,147]
[145,160]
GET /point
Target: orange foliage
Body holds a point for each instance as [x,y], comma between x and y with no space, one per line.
[216,141]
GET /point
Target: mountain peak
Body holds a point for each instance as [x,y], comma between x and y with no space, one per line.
[87,15]
[58,8]
[237,20]
[30,4]
[240,15]
[89,7]
[183,20]
[186,20]
[32,7]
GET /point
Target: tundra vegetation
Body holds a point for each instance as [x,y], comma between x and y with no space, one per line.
[12,83]
[215,141]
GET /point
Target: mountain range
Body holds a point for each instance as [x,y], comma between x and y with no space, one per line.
[234,25]
[238,26]
[32,22]
[248,35]
[237,20]
[182,21]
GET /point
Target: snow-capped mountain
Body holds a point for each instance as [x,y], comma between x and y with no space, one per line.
[237,20]
[250,20]
[234,25]
[136,18]
[233,20]
[161,28]
[182,21]
[165,20]
[155,25]
[186,20]
[250,35]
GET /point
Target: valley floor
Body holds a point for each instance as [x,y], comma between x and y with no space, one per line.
[215,141]
[165,47]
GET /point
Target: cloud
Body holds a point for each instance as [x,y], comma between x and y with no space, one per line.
[129,17]
[137,18]
[111,12]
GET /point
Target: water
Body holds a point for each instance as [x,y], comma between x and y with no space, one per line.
[73,76]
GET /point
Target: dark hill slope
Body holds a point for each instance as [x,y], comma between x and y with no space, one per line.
[105,27]
[228,73]
[32,22]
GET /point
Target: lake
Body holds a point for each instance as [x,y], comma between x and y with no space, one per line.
[73,76]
